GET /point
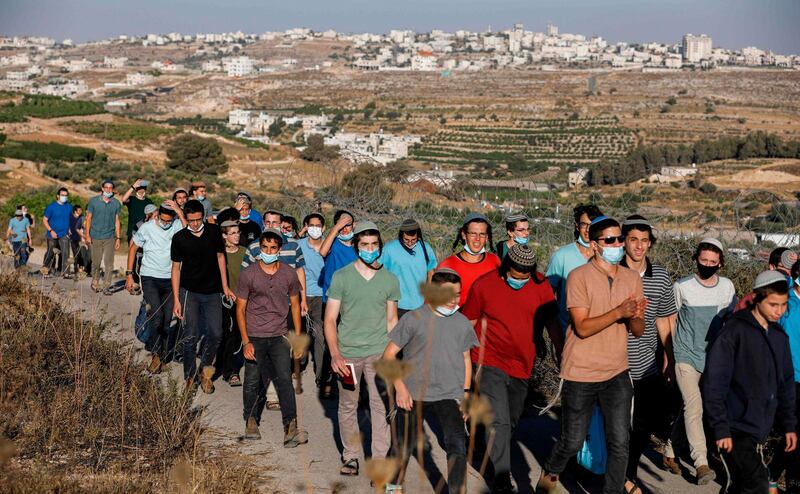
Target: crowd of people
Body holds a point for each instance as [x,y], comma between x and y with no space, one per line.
[236,288]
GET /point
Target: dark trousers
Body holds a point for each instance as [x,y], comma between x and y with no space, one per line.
[788,462]
[578,400]
[273,363]
[648,418]
[230,357]
[202,317]
[158,300]
[20,251]
[411,438]
[62,244]
[745,463]
[506,395]
[80,256]
[314,328]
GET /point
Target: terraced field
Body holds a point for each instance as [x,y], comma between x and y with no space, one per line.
[526,144]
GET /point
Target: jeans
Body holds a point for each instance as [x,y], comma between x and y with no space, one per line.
[200,311]
[314,326]
[578,400]
[348,411]
[158,299]
[273,362]
[62,244]
[689,383]
[648,418]
[230,356]
[20,250]
[746,465]
[102,252]
[506,395]
[411,438]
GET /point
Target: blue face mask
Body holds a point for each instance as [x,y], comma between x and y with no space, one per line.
[447,312]
[108,195]
[368,256]
[515,283]
[582,242]
[466,248]
[245,217]
[521,240]
[613,255]
[267,258]
[289,234]
[345,237]
[199,197]
[165,226]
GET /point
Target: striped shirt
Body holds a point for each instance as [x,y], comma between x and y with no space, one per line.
[290,254]
[660,303]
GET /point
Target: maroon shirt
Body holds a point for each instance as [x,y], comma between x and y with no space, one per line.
[267,298]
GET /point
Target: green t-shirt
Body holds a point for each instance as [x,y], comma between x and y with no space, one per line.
[234,266]
[362,329]
[135,212]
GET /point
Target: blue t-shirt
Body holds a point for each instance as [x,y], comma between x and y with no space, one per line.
[19,228]
[338,257]
[256,218]
[57,215]
[410,268]
[314,264]
[561,265]
[791,324]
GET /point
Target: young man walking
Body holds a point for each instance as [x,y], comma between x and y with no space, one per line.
[704,299]
[749,383]
[606,303]
[436,342]
[19,236]
[56,225]
[518,228]
[365,296]
[412,260]
[267,292]
[509,308]
[103,234]
[199,278]
[154,238]
[229,356]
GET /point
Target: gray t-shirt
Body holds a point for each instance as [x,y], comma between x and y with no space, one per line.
[104,216]
[434,347]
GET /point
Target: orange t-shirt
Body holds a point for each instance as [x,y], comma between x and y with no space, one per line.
[469,272]
[603,355]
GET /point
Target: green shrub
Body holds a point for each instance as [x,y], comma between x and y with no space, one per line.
[41,106]
[46,151]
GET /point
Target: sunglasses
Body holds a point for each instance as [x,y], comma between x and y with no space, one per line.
[612,240]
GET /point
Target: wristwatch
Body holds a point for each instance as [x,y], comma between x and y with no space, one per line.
[128,272]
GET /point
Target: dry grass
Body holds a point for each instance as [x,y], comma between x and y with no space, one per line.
[79,414]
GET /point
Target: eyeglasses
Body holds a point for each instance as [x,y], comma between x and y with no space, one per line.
[612,240]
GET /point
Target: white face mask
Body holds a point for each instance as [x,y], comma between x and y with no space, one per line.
[315,232]
[199,228]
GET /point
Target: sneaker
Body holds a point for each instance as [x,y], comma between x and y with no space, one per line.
[548,483]
[251,429]
[292,436]
[671,465]
[206,384]
[704,475]
[393,488]
[108,291]
[155,365]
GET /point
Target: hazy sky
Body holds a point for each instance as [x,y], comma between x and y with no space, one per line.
[768,24]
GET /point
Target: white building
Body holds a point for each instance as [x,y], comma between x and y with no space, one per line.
[696,48]
[115,62]
[424,61]
[78,65]
[238,66]
[238,117]
[211,66]
[139,79]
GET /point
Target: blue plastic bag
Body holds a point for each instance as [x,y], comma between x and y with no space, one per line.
[142,325]
[593,454]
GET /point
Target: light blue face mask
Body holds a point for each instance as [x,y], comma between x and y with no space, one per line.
[289,234]
[165,226]
[613,255]
[108,195]
[521,240]
[466,248]
[345,237]
[267,258]
[244,218]
[582,242]
[445,311]
[368,256]
[199,197]
[515,283]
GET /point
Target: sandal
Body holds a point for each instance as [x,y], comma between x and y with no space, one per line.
[273,405]
[635,489]
[349,468]
[234,380]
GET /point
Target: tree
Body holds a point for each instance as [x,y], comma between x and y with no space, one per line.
[197,155]
[316,150]
[276,128]
[364,188]
[397,171]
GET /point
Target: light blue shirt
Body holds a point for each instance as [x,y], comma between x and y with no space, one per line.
[314,264]
[20,229]
[156,244]
[791,324]
[562,263]
[410,269]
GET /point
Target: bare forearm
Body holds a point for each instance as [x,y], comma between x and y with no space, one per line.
[176,281]
[590,326]
[132,255]
[296,315]
[241,305]
[330,336]
[635,326]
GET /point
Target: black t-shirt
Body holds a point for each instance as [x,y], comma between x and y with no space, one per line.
[249,233]
[198,255]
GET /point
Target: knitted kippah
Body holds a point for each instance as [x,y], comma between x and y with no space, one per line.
[788,258]
[409,225]
[522,255]
[767,278]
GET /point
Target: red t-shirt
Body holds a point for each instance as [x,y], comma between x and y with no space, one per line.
[469,272]
[510,319]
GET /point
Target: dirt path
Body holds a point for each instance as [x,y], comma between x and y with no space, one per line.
[314,467]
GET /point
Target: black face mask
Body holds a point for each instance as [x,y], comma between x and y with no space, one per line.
[706,272]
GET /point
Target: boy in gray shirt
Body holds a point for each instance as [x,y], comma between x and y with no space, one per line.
[435,341]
